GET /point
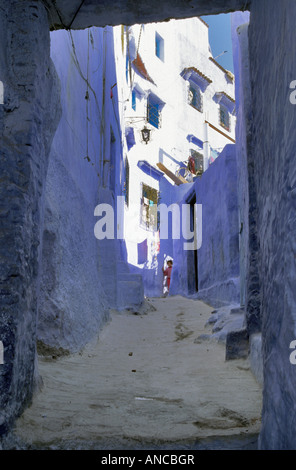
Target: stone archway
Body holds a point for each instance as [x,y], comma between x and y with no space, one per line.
[77,14]
[28,120]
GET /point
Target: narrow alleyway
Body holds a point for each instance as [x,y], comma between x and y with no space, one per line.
[146,383]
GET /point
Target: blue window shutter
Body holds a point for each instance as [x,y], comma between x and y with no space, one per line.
[134,102]
[159,46]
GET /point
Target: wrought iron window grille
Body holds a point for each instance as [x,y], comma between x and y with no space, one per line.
[224,118]
[195,98]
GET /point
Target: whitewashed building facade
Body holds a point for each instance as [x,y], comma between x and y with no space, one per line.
[170,86]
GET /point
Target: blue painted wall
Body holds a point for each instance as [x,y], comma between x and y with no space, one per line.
[79,280]
[218,256]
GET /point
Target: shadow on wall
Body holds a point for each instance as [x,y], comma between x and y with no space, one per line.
[153,257]
[217,260]
[83,277]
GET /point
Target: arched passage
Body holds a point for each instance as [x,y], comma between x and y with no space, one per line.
[29,117]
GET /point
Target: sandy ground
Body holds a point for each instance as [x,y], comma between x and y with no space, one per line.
[145,383]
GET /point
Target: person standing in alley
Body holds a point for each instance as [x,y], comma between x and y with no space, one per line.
[167,272]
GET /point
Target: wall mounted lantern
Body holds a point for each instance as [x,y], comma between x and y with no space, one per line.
[145,134]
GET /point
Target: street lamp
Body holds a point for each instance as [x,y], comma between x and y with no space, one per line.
[224,52]
[145,135]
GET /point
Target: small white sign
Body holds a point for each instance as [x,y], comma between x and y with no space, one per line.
[293,94]
[1,93]
[1,353]
[293,353]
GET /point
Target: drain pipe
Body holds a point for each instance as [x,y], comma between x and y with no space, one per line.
[206,145]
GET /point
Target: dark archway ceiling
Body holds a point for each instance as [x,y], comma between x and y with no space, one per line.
[80,14]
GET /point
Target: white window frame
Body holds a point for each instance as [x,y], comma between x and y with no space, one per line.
[196,88]
[223,108]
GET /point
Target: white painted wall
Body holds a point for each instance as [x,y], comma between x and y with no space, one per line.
[186,44]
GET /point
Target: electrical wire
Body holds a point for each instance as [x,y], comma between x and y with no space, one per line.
[76,13]
[87,95]
[132,77]
[78,67]
[245,6]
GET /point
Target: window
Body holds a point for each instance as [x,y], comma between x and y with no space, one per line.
[214,153]
[224,117]
[127,67]
[134,100]
[159,46]
[130,137]
[196,162]
[149,215]
[195,97]
[154,107]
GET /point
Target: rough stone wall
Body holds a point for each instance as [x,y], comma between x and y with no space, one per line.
[247,198]
[27,124]
[239,26]
[272,37]
[79,272]
[29,118]
[218,257]
[70,14]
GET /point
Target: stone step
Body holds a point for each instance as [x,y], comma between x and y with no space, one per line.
[122,267]
[130,292]
[129,277]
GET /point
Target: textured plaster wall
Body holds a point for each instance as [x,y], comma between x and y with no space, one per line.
[218,256]
[247,195]
[77,15]
[272,63]
[79,272]
[28,121]
[239,26]
[29,118]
